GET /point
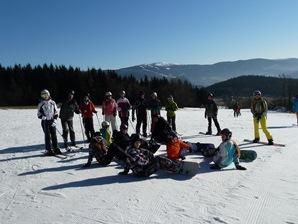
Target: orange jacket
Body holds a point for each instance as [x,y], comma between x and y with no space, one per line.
[174,148]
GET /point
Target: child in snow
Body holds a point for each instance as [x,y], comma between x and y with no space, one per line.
[259,110]
[143,163]
[175,147]
[105,132]
[123,108]
[87,108]
[109,110]
[48,113]
[227,152]
[171,107]
[211,114]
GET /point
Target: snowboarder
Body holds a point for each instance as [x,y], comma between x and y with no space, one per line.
[140,106]
[171,107]
[211,114]
[227,152]
[259,110]
[175,148]
[87,108]
[123,108]
[48,113]
[105,132]
[295,107]
[68,108]
[109,110]
[155,106]
[143,163]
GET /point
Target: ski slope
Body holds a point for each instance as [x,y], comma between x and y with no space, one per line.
[44,190]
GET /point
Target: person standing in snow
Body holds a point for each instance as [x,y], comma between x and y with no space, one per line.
[140,107]
[211,110]
[295,107]
[227,152]
[109,110]
[67,110]
[259,110]
[123,108]
[48,113]
[155,106]
[87,109]
[171,107]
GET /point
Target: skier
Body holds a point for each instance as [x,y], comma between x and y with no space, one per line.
[143,163]
[295,106]
[236,108]
[87,108]
[227,152]
[259,110]
[171,107]
[211,114]
[109,110]
[155,106]
[123,108]
[66,115]
[140,107]
[48,113]
[105,132]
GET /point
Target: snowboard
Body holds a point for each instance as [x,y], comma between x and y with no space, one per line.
[189,168]
[247,155]
[73,148]
[264,143]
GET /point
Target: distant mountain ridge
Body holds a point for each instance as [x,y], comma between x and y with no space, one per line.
[205,75]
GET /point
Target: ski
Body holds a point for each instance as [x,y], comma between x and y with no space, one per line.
[74,148]
[264,143]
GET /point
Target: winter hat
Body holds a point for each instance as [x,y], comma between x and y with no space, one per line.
[226,132]
[122,92]
[257,93]
[71,92]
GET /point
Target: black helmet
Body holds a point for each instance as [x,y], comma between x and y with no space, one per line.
[226,132]
[123,127]
[134,138]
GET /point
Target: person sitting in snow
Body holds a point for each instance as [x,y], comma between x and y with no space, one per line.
[143,163]
[227,152]
[105,132]
[175,147]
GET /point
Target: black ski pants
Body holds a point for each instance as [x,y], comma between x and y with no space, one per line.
[142,119]
[89,127]
[67,126]
[210,124]
[172,122]
[50,135]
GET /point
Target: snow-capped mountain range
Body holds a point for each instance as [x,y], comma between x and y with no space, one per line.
[204,75]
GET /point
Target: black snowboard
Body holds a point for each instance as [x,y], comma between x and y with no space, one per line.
[247,155]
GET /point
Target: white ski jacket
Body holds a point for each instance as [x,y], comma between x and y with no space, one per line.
[47,109]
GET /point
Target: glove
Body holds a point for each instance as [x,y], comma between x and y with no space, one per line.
[53,124]
[43,118]
[133,119]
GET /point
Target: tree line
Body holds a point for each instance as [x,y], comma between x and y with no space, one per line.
[21,85]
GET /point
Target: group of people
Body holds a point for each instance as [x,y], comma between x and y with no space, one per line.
[136,153]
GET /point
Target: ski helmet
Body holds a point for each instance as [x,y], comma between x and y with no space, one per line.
[123,127]
[108,94]
[257,93]
[45,94]
[226,132]
[105,124]
[122,92]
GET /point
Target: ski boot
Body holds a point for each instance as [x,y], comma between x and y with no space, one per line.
[57,151]
[208,133]
[256,140]
[270,142]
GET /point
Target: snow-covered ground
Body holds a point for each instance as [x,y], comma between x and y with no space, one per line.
[37,189]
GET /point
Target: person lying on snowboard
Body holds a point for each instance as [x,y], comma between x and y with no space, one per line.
[227,152]
[143,163]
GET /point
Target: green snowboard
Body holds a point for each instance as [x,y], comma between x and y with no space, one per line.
[247,155]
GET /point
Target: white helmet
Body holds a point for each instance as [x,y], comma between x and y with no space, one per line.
[108,94]
[105,123]
[45,93]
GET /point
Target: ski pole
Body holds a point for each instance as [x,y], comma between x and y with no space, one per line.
[98,121]
[82,130]
[132,125]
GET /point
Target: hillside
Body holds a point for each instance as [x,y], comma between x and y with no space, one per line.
[204,75]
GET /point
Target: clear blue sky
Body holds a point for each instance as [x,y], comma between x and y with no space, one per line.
[121,33]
